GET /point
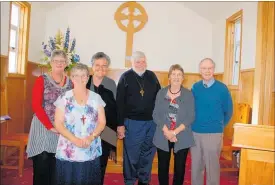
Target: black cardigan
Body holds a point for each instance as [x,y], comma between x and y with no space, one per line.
[110,108]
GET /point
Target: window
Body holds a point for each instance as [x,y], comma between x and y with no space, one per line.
[18,38]
[233,46]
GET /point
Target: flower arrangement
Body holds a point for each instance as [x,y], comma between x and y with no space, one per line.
[58,42]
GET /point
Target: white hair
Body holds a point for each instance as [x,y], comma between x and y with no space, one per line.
[210,59]
[79,67]
[137,55]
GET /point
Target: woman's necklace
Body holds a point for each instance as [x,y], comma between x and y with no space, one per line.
[55,80]
[172,92]
[81,100]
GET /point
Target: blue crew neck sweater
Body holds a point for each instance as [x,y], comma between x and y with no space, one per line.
[213,107]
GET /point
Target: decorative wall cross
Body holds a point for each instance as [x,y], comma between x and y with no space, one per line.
[130,29]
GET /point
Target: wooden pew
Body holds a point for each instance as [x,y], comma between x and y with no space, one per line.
[257,153]
[241,114]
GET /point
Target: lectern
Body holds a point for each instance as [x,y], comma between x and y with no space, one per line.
[257,153]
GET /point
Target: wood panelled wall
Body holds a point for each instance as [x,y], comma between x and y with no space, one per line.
[243,94]
[19,100]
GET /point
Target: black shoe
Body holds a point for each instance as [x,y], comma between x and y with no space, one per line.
[140,183]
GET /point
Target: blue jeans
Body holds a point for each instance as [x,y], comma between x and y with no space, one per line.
[138,151]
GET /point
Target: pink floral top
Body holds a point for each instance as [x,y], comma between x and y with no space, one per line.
[80,121]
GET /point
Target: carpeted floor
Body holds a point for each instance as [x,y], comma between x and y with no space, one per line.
[10,177]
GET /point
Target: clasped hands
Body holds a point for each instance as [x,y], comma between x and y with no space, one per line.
[169,134]
[83,142]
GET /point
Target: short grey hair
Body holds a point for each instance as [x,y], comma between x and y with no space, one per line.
[137,55]
[59,52]
[210,59]
[100,55]
[80,67]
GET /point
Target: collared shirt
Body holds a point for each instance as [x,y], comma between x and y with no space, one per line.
[209,83]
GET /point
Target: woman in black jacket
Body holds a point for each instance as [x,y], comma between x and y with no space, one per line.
[106,88]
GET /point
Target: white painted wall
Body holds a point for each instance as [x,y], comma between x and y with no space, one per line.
[173,34]
[248,35]
[5,13]
[37,29]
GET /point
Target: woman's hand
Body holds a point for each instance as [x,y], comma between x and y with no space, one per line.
[169,134]
[54,131]
[81,143]
[87,141]
[174,139]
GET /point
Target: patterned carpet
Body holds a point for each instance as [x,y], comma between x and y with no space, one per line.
[10,177]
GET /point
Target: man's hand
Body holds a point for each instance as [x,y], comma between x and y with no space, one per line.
[112,155]
[120,132]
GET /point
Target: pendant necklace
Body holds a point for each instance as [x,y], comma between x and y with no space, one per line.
[172,92]
[141,88]
[55,80]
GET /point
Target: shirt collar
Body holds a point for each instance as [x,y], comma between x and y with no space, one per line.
[139,74]
[209,83]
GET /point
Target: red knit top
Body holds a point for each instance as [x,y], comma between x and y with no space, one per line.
[37,102]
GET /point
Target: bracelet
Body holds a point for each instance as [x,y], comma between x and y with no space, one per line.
[174,133]
[94,135]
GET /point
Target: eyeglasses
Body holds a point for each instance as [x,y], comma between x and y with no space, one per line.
[80,76]
[103,66]
[173,75]
[207,69]
[59,61]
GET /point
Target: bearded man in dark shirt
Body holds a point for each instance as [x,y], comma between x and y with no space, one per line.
[136,94]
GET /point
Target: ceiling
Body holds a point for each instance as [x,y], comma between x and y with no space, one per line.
[210,10]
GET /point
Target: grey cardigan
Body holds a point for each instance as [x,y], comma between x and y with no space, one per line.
[186,114]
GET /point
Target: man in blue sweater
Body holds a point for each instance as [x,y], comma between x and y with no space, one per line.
[213,110]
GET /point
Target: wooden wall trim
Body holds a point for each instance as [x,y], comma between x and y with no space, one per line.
[3,56]
[229,48]
[242,95]
[248,70]
[264,69]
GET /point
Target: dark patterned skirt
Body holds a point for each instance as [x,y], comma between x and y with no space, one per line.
[78,173]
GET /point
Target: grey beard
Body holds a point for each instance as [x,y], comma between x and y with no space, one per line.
[139,73]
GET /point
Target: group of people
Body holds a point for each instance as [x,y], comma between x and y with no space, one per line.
[70,113]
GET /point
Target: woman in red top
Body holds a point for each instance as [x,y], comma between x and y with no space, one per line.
[43,136]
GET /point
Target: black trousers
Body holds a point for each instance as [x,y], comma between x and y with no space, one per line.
[179,165]
[106,148]
[44,169]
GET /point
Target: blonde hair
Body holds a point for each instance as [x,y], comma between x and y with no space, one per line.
[80,67]
[59,52]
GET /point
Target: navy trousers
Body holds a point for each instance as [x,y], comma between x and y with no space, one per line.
[138,151]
